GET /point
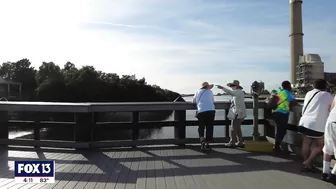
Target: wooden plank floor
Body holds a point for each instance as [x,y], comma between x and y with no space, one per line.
[163,168]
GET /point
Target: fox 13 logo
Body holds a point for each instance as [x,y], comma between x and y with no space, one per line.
[34,171]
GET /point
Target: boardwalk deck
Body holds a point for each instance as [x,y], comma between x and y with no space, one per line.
[163,168]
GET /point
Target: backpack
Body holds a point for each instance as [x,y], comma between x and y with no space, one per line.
[272,102]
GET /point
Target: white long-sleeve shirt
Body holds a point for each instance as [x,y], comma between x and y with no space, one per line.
[237,103]
[204,99]
[332,114]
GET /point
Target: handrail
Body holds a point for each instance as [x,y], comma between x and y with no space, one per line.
[112,106]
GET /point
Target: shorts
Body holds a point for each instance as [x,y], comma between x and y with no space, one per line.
[330,138]
[309,132]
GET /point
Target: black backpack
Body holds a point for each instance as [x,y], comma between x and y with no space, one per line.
[272,102]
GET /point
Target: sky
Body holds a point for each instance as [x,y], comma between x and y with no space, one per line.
[176,44]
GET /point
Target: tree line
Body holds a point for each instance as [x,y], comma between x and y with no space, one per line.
[52,83]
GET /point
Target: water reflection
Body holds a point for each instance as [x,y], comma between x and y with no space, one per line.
[160,133]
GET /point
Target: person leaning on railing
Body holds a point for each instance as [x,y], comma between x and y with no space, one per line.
[205,114]
[315,113]
[281,113]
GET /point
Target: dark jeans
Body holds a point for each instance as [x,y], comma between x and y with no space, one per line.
[206,119]
[281,121]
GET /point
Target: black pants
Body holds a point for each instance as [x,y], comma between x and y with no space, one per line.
[281,121]
[206,119]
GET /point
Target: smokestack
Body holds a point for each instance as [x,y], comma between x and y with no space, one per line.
[296,35]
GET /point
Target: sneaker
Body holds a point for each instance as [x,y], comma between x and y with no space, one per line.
[240,144]
[202,146]
[277,149]
[325,177]
[332,179]
[207,147]
[230,144]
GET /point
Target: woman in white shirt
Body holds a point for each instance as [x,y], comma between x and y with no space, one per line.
[329,148]
[237,113]
[204,99]
[315,113]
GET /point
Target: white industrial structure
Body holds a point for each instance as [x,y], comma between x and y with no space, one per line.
[309,69]
[305,69]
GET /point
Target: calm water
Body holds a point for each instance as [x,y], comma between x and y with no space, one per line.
[219,130]
[168,132]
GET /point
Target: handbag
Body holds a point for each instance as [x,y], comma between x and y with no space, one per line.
[196,113]
[231,115]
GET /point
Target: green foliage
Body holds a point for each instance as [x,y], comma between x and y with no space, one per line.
[48,71]
[333,90]
[21,71]
[70,84]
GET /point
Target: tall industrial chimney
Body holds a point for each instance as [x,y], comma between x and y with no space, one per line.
[296,35]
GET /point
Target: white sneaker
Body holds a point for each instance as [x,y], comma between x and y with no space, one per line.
[202,146]
[240,144]
[230,144]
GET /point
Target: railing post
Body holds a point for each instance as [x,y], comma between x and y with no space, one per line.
[94,121]
[37,127]
[180,127]
[4,125]
[83,127]
[255,133]
[227,125]
[135,129]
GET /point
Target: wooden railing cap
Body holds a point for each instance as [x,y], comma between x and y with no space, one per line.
[109,107]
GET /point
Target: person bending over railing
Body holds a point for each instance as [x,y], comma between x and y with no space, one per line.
[205,113]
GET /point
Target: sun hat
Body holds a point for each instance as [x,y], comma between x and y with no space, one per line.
[234,83]
[205,84]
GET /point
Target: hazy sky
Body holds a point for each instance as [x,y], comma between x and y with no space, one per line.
[176,44]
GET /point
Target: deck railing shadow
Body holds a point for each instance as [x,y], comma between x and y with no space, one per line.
[119,164]
[4,160]
[40,154]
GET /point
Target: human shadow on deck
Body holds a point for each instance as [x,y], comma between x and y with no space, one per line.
[4,160]
[128,165]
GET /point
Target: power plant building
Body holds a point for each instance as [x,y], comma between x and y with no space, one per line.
[305,69]
[296,36]
[309,69]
